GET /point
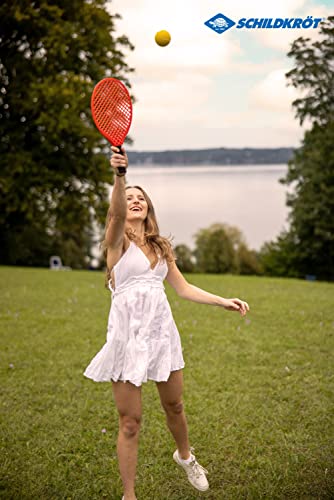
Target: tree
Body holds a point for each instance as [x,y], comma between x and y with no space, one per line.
[278,257]
[184,258]
[245,260]
[314,75]
[248,261]
[222,248]
[308,246]
[53,168]
[214,250]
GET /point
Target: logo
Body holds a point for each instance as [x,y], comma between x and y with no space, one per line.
[219,23]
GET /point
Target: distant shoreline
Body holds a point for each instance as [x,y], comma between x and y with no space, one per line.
[212,157]
[204,165]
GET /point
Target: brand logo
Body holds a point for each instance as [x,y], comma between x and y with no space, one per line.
[220,23]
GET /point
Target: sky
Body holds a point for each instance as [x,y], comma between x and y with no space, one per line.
[209,90]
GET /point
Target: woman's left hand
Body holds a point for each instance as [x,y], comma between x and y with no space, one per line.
[236,305]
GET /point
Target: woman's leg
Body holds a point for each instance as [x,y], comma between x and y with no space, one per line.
[128,401]
[171,399]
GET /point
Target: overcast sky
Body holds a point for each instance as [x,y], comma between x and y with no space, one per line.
[212,90]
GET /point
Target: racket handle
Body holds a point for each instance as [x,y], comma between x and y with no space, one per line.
[121,170]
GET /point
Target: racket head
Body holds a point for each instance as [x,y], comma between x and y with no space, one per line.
[111,107]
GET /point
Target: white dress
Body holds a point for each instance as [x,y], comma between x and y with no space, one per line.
[142,339]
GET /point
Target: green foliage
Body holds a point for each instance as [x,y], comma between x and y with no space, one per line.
[314,75]
[184,258]
[278,257]
[263,384]
[214,251]
[308,246]
[248,261]
[312,203]
[221,248]
[53,170]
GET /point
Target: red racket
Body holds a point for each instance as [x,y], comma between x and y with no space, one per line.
[112,111]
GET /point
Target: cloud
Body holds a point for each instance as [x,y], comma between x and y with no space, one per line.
[272,93]
[191,49]
[269,133]
[263,8]
[187,58]
[280,40]
[174,100]
[203,89]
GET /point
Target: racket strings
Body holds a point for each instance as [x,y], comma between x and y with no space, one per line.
[113,112]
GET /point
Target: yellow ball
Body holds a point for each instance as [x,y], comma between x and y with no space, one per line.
[162,38]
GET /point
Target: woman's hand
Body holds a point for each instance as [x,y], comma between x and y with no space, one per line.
[118,160]
[236,305]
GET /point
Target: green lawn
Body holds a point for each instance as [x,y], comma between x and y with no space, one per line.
[258,392]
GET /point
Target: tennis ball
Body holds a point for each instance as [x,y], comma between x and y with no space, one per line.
[162,38]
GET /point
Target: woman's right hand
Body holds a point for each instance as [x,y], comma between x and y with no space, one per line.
[118,160]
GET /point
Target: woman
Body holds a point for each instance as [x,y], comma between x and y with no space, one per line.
[142,340]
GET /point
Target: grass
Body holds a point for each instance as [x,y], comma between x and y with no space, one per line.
[258,392]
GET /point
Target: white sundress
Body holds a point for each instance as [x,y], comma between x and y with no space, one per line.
[143,342]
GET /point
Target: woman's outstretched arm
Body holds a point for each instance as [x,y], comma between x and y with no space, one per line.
[118,205]
[190,292]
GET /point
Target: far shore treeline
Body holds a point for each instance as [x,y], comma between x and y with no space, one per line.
[214,156]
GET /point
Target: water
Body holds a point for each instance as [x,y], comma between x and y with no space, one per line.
[187,199]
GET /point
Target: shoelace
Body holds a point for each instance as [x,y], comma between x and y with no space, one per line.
[197,469]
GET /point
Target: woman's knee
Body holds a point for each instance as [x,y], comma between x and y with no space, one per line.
[129,426]
[173,408]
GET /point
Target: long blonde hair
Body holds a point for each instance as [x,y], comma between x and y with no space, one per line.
[160,245]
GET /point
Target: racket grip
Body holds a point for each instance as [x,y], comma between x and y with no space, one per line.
[121,170]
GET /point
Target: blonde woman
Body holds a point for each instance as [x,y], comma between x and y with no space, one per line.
[143,342]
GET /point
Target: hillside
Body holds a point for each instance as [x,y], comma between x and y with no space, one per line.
[218,156]
[260,388]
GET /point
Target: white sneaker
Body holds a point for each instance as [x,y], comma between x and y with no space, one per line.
[195,472]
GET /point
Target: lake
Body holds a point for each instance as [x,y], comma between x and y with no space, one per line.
[187,199]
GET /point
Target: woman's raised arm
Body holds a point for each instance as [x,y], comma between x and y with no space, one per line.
[118,206]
